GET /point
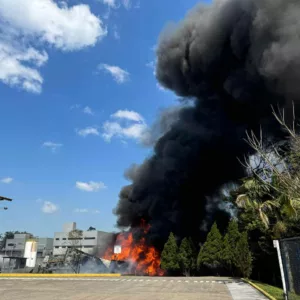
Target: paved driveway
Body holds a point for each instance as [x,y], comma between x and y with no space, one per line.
[113,289]
[122,288]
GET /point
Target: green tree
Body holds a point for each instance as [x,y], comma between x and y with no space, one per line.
[229,246]
[187,256]
[244,256]
[210,253]
[169,255]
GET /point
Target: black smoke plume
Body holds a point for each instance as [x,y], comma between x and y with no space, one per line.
[233,59]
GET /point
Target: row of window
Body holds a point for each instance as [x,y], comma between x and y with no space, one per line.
[70,239]
[56,247]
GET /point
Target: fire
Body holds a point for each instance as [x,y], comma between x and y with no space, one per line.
[146,259]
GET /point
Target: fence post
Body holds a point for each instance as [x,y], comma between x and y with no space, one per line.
[277,246]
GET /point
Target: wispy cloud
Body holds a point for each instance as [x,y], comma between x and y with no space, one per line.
[49,207]
[96,211]
[128,125]
[129,115]
[160,87]
[117,3]
[81,210]
[62,27]
[87,110]
[52,146]
[75,106]
[7,180]
[116,33]
[87,131]
[110,3]
[91,186]
[118,74]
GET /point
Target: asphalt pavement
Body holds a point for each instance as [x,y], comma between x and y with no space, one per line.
[122,288]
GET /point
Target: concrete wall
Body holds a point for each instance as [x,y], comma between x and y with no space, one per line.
[92,242]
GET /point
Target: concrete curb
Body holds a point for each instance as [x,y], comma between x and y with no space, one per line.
[57,275]
[259,289]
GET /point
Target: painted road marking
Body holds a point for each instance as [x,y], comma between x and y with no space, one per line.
[117,279]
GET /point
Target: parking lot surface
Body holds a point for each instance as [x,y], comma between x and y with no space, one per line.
[119,288]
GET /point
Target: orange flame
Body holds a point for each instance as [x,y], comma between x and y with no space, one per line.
[146,259]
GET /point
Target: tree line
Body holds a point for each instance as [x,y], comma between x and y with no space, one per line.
[221,255]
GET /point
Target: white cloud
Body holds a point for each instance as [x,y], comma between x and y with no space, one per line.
[49,207]
[126,4]
[160,87]
[91,186]
[88,131]
[119,75]
[7,180]
[87,110]
[128,114]
[130,125]
[81,210]
[15,73]
[52,146]
[41,23]
[67,28]
[116,4]
[110,3]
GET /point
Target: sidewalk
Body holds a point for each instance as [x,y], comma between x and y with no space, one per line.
[244,291]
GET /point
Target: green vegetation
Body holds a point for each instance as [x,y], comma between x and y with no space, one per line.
[229,247]
[169,255]
[187,256]
[243,256]
[273,291]
[211,252]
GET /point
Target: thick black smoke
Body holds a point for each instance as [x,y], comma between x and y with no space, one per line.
[234,59]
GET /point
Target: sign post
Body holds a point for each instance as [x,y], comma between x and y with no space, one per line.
[277,246]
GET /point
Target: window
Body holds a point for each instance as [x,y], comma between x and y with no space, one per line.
[56,247]
[57,239]
[88,246]
[89,238]
[64,239]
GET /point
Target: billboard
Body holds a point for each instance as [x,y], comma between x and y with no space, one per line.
[117,249]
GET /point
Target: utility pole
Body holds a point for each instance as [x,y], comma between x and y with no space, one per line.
[4,199]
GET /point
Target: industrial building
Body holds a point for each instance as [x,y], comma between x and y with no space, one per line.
[91,242]
[23,250]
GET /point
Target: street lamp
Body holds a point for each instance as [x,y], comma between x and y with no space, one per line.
[5,199]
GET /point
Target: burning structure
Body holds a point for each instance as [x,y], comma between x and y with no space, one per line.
[231,60]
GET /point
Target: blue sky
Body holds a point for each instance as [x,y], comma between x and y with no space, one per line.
[78,93]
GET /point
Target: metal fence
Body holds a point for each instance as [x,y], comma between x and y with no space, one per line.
[290,252]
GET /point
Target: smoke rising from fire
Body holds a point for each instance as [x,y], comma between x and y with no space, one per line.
[233,59]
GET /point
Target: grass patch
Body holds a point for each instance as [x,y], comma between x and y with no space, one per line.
[275,292]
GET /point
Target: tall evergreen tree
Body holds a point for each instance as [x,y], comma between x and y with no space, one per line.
[210,253]
[244,256]
[230,246]
[169,255]
[187,256]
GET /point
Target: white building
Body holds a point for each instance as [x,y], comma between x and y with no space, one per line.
[91,242]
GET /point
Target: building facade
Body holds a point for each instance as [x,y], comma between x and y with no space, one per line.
[16,246]
[91,242]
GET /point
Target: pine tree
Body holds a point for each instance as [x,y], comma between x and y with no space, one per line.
[210,253]
[187,256]
[229,246]
[169,255]
[244,256]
